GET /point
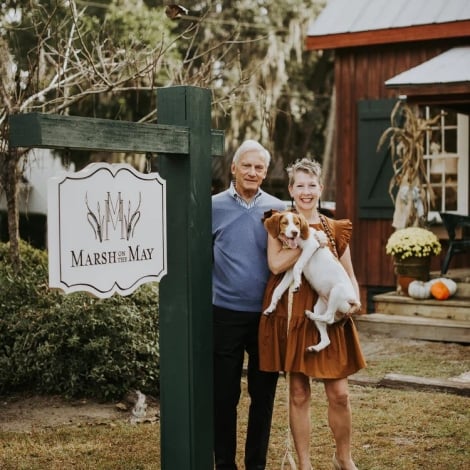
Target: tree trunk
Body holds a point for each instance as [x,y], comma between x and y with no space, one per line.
[329,155]
[11,194]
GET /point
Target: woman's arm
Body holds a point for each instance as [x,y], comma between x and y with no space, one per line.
[280,259]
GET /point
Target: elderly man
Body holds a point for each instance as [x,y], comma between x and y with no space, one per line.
[240,274]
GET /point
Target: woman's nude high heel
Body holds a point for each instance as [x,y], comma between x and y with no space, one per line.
[336,465]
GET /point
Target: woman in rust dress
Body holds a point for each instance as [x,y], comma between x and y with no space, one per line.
[285,334]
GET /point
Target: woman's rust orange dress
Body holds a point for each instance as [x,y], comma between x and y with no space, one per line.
[283,341]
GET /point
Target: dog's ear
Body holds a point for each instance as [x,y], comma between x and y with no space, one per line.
[268,214]
[304,228]
[271,224]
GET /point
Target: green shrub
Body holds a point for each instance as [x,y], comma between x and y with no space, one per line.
[74,345]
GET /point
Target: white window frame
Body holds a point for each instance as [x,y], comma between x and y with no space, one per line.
[462,156]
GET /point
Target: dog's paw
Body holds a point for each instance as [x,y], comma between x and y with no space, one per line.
[296,285]
[309,314]
[314,316]
[315,348]
[270,309]
[318,347]
[354,307]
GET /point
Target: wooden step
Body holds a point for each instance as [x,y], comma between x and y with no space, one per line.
[412,382]
[463,290]
[457,274]
[415,327]
[392,303]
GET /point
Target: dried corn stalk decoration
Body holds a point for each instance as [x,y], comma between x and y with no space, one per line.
[406,137]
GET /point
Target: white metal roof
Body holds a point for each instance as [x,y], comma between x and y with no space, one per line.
[452,66]
[349,16]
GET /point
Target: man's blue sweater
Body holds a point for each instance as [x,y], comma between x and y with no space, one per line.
[240,270]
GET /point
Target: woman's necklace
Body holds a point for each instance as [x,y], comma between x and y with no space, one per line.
[327,230]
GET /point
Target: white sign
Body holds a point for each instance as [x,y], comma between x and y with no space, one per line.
[106,229]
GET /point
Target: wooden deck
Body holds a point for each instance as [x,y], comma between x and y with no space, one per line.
[435,320]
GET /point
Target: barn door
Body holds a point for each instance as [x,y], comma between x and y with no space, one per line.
[374,166]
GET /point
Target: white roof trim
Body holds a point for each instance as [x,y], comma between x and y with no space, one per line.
[452,66]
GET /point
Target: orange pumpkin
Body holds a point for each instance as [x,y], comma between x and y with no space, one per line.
[440,291]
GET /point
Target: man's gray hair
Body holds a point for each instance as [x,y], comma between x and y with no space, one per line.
[249,145]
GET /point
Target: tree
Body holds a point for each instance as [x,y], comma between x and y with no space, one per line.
[52,60]
[265,86]
[106,60]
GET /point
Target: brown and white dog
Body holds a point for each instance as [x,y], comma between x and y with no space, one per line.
[320,267]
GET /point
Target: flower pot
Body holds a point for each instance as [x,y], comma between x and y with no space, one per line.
[411,269]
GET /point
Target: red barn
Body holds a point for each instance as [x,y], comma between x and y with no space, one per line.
[383,51]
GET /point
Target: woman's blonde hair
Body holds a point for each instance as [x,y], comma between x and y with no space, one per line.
[312,167]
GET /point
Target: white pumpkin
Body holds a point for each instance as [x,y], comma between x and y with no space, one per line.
[419,290]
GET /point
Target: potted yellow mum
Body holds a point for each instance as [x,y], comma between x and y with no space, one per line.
[412,248]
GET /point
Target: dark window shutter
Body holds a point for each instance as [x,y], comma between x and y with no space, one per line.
[374,166]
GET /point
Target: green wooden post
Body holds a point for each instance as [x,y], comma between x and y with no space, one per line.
[185,144]
[185,292]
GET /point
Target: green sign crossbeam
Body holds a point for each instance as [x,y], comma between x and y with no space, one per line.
[80,133]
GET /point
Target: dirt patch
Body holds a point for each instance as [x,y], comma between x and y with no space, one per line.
[29,413]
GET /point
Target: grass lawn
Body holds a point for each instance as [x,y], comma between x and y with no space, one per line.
[400,430]
[392,429]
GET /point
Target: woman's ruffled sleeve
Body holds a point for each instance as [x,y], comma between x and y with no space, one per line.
[342,234]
